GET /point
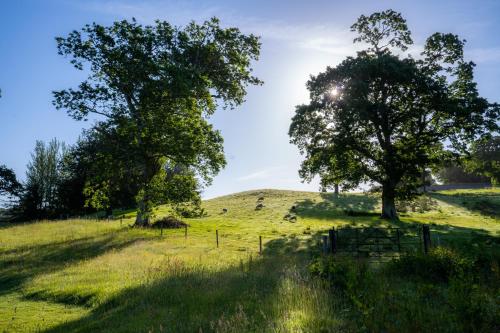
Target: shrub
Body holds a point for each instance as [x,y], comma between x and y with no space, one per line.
[189,210]
[169,222]
[421,204]
[475,305]
[343,274]
[438,266]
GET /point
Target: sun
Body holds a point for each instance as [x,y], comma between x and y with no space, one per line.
[333,92]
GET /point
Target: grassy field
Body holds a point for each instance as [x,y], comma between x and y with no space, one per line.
[102,276]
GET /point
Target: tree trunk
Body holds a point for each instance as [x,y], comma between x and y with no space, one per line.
[336,186]
[142,218]
[388,202]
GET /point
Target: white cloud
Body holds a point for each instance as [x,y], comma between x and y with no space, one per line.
[318,37]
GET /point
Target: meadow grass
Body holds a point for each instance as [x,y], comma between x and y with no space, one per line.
[93,276]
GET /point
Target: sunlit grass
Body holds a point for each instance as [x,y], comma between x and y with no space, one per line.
[84,275]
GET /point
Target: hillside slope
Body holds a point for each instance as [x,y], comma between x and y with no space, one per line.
[88,276]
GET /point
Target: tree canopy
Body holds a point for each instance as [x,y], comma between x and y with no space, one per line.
[384,117]
[9,185]
[153,88]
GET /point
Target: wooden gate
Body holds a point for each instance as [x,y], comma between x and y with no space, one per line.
[378,243]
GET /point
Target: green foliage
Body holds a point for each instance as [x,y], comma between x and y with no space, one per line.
[342,274]
[440,265]
[387,27]
[421,204]
[453,173]
[40,198]
[97,196]
[440,292]
[9,185]
[155,86]
[384,118]
[485,159]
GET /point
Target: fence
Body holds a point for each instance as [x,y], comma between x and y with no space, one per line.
[377,243]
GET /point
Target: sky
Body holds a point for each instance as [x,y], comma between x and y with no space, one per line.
[299,39]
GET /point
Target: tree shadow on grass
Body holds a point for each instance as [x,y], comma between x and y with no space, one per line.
[334,206]
[21,264]
[484,204]
[238,298]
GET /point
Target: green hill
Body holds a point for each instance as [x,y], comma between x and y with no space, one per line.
[96,276]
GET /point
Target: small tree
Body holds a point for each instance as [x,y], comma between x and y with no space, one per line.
[385,118]
[39,198]
[155,86]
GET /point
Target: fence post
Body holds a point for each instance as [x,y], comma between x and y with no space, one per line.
[356,244]
[333,240]
[325,244]
[426,234]
[398,240]
[217,237]
[121,218]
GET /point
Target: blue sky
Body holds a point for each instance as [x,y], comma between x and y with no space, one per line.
[299,38]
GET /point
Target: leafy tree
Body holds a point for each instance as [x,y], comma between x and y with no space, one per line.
[39,198]
[103,181]
[485,159]
[155,86]
[9,185]
[384,117]
[73,173]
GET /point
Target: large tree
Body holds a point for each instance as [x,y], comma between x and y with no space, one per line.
[384,117]
[154,88]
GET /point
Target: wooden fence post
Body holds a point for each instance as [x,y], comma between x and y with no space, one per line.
[333,240]
[398,240]
[426,234]
[325,244]
[260,245]
[217,237]
[356,242]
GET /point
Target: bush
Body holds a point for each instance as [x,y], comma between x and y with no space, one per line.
[421,204]
[189,210]
[475,306]
[343,274]
[169,222]
[439,265]
[404,296]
